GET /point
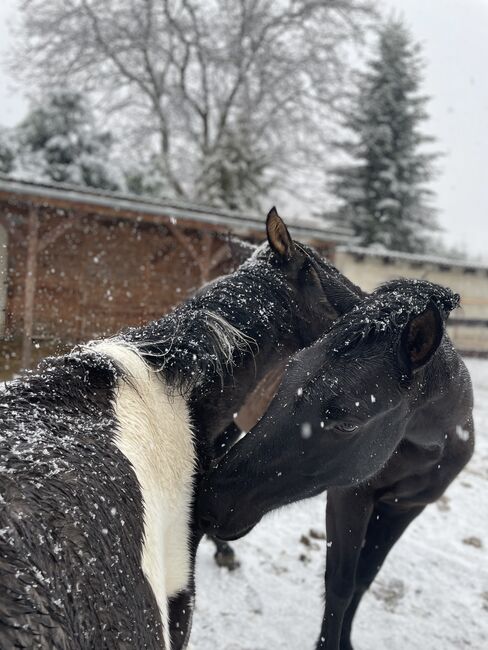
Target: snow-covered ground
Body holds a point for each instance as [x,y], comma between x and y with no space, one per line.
[432,593]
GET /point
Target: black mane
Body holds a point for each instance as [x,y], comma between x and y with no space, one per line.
[385,311]
[211,331]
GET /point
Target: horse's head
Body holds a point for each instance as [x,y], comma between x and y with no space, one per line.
[319,292]
[340,411]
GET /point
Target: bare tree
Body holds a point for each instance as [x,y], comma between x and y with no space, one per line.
[206,84]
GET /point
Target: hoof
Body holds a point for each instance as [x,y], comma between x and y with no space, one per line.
[227,559]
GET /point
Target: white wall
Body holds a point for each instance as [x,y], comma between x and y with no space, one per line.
[369,271]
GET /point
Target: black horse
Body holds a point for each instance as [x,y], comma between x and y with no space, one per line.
[379,411]
[99,450]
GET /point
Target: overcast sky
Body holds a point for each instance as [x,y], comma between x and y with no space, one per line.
[454,36]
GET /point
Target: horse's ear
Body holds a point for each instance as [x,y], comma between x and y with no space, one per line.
[278,236]
[421,337]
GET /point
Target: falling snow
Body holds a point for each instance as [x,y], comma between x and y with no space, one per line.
[462,433]
[306,430]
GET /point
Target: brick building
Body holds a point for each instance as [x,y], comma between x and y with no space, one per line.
[77,263]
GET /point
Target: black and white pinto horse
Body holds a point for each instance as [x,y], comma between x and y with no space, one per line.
[100,450]
[378,412]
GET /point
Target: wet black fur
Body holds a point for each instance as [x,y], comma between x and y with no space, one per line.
[410,409]
[187,351]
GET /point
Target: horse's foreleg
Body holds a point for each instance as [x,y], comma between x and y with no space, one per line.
[347,517]
[180,618]
[385,528]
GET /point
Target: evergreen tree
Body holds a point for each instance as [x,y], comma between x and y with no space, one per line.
[7,151]
[58,141]
[145,177]
[236,175]
[383,191]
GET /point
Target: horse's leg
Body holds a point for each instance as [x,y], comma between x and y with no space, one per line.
[347,517]
[385,528]
[224,555]
[389,521]
[180,618]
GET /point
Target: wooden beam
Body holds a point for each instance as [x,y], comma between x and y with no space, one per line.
[204,259]
[185,241]
[30,286]
[222,255]
[55,233]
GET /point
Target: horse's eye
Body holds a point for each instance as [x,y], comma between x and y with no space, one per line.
[347,427]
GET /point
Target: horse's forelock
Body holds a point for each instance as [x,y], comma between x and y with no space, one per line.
[385,312]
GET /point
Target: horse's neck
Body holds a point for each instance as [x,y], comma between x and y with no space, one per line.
[261,308]
[218,345]
[213,415]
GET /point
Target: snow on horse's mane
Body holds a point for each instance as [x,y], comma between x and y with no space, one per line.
[387,310]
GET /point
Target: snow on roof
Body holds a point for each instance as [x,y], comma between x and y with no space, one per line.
[412,257]
[173,208]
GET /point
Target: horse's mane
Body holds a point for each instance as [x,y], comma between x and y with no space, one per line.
[200,342]
[204,338]
[386,311]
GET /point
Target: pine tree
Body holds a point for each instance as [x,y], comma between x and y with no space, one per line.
[383,191]
[58,141]
[7,151]
[145,177]
[236,175]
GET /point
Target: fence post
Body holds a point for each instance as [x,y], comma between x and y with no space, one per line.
[30,286]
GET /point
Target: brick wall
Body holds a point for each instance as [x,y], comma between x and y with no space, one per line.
[98,275]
